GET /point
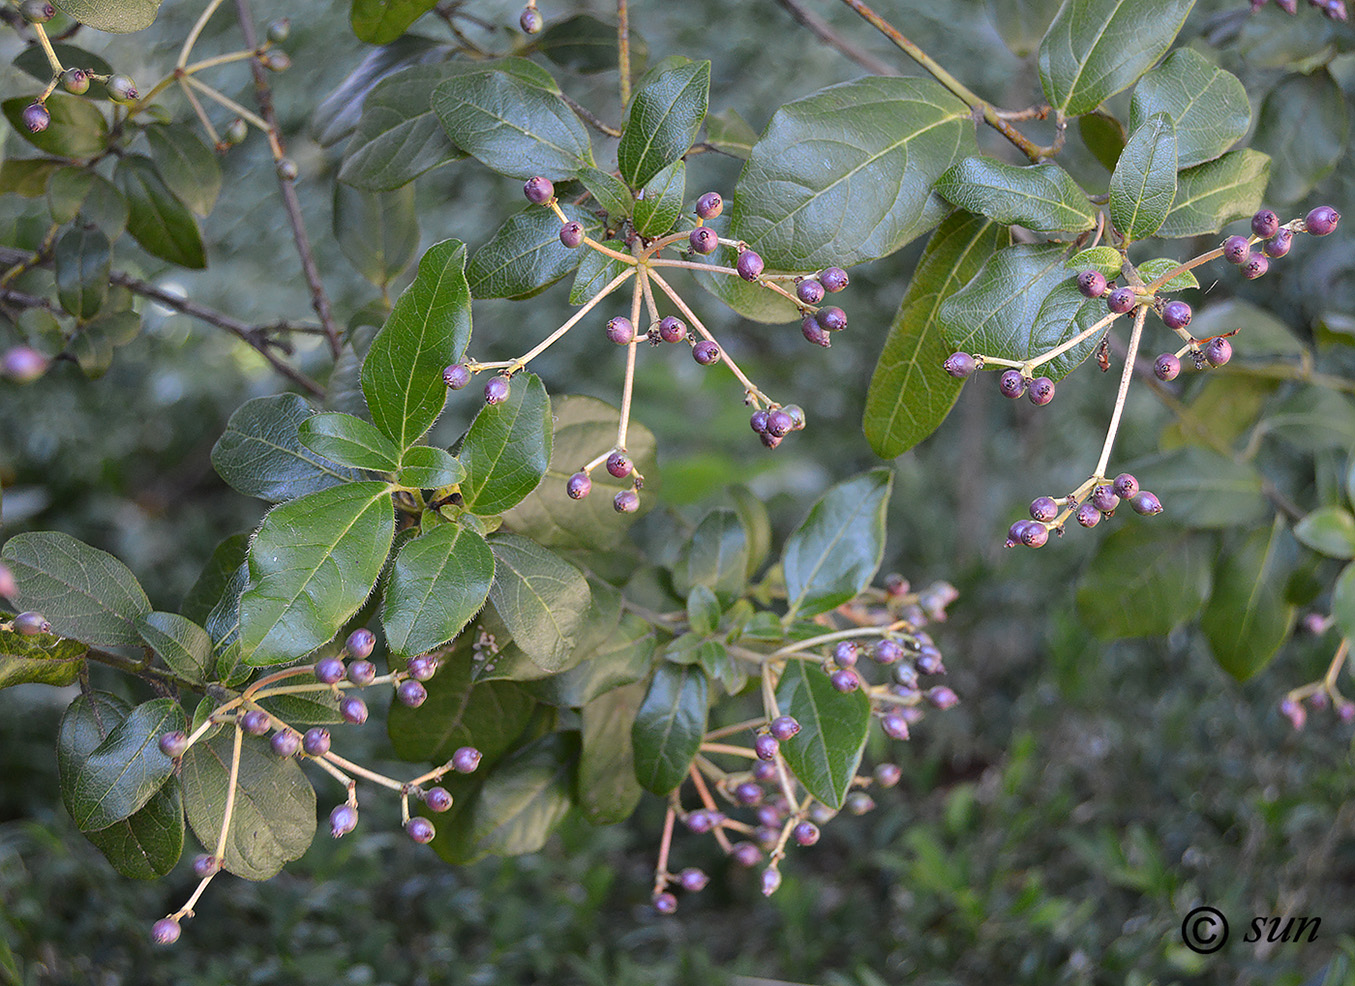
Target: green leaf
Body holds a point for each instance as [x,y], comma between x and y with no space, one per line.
[111,16]
[438,582]
[1248,618]
[513,127]
[845,175]
[1103,135]
[509,661]
[910,394]
[379,22]
[1202,489]
[1208,105]
[523,799]
[1144,183]
[188,166]
[94,341]
[669,726]
[85,593]
[260,453]
[596,271]
[1022,23]
[43,659]
[659,203]
[146,844]
[184,646]
[1065,312]
[79,194]
[77,129]
[426,468]
[1303,126]
[703,610]
[1106,259]
[338,114]
[728,132]
[836,550]
[610,192]
[1041,197]
[540,597]
[82,260]
[1210,195]
[1313,419]
[1144,583]
[525,255]
[586,44]
[27,176]
[312,564]
[428,328]
[1266,335]
[1343,602]
[1151,270]
[665,114]
[507,449]
[125,770]
[86,723]
[607,789]
[274,817]
[716,557]
[377,231]
[826,751]
[1096,48]
[349,441]
[156,218]
[33,60]
[622,659]
[1329,531]
[398,138]
[756,524]
[489,715]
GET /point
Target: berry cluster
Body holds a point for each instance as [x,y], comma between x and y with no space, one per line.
[1322,693]
[337,677]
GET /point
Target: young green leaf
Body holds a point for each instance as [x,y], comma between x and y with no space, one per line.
[1066,312]
[1041,197]
[659,203]
[1144,583]
[1217,192]
[1329,531]
[260,453]
[610,192]
[836,550]
[1247,617]
[156,218]
[184,646]
[525,255]
[423,467]
[665,114]
[596,271]
[703,610]
[541,598]
[826,751]
[147,843]
[1151,270]
[607,789]
[1144,183]
[438,582]
[82,261]
[349,441]
[125,770]
[508,448]
[188,166]
[994,313]
[398,138]
[669,726]
[377,231]
[1208,105]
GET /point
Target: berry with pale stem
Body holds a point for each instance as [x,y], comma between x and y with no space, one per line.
[165,931]
[411,693]
[342,820]
[895,726]
[846,653]
[1121,300]
[121,88]
[205,865]
[765,746]
[959,365]
[421,668]
[353,710]
[833,279]
[1041,391]
[1012,384]
[1218,351]
[173,744]
[438,799]
[706,352]
[1257,264]
[287,169]
[710,205]
[942,697]
[1236,250]
[1145,503]
[496,390]
[1092,283]
[626,502]
[805,833]
[809,291]
[887,774]
[749,265]
[769,440]
[784,727]
[672,329]
[1278,245]
[779,423]
[255,722]
[1087,515]
[814,333]
[845,680]
[420,830]
[886,651]
[466,759]
[36,118]
[285,743]
[693,880]
[571,233]
[316,741]
[1322,220]
[1034,535]
[1104,498]
[758,421]
[620,330]
[619,465]
[30,624]
[578,485]
[75,81]
[1167,367]
[703,240]
[1176,314]
[1125,485]
[328,670]
[360,644]
[538,190]
[832,319]
[1044,509]
[665,903]
[362,672]
[748,794]
[531,21]
[1265,223]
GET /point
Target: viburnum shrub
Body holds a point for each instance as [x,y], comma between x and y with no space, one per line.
[533,661]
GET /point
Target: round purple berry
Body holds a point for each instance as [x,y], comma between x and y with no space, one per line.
[672,329]
[496,390]
[784,727]
[165,931]
[361,672]
[765,746]
[833,279]
[831,319]
[693,880]
[1218,351]
[353,710]
[748,794]
[578,485]
[205,865]
[285,743]
[764,772]
[665,903]
[886,651]
[438,799]
[1278,245]
[619,465]
[703,240]
[360,644]
[758,421]
[779,423]
[255,722]
[814,333]
[845,653]
[1167,367]
[626,502]
[706,352]
[420,830]
[1145,503]
[805,833]
[809,291]
[1176,314]
[1256,265]
[845,680]
[1087,515]
[888,774]
[1265,223]
[749,265]
[174,744]
[30,624]
[959,365]
[316,741]
[466,759]
[1092,283]
[1044,509]
[571,234]
[1236,250]
[942,697]
[342,820]
[1322,220]
[411,693]
[328,670]
[620,330]
[1041,391]
[859,802]
[421,668]
[1125,485]
[710,205]
[36,118]
[531,21]
[1104,498]
[895,726]
[1034,535]
[746,854]
[1012,384]
[538,190]
[9,588]
[1121,300]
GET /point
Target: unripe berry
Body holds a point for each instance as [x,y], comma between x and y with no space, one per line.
[1167,367]
[316,741]
[693,880]
[165,931]
[255,722]
[1087,515]
[30,624]
[626,502]
[703,240]
[279,30]
[531,21]
[342,820]
[859,802]
[285,743]
[421,668]
[831,319]
[1104,498]
[1218,351]
[466,759]
[746,854]
[1092,283]
[36,118]
[959,365]
[353,710]
[758,421]
[1256,265]
[75,80]
[411,693]
[784,727]
[205,865]
[438,799]
[706,352]
[1176,314]
[942,697]
[620,330]
[845,680]
[710,205]
[1322,220]
[174,744]
[456,376]
[420,830]
[538,190]
[37,11]
[1041,391]
[1265,223]
[665,903]
[1012,384]
[496,390]
[765,746]
[329,670]
[1044,509]
[1278,245]
[845,654]
[814,333]
[276,61]
[236,132]
[121,88]
[672,329]
[809,291]
[805,833]
[287,169]
[886,651]
[1236,250]
[749,265]
[1145,503]
[1121,300]
[779,423]
[22,364]
[833,279]
[895,726]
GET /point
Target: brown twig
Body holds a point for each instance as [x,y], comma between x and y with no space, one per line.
[820,29]
[264,96]
[623,49]
[590,119]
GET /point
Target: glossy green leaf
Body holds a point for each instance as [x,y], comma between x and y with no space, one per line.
[428,328]
[540,597]
[716,556]
[610,192]
[1248,618]
[1096,48]
[188,167]
[1144,183]
[910,394]
[146,844]
[377,231]
[274,818]
[426,468]
[512,127]
[380,22]
[835,551]
[665,113]
[112,16]
[85,593]
[316,709]
[1208,105]
[727,131]
[223,622]
[1103,135]
[1343,602]
[438,582]
[1303,126]
[659,203]
[596,271]
[523,799]
[156,218]
[826,751]
[669,726]
[312,564]
[623,658]
[184,646]
[77,129]
[42,659]
[1144,583]
[714,658]
[525,254]
[510,662]
[607,789]
[398,137]
[260,453]
[349,441]
[125,770]
[508,448]
[1212,194]
[1200,488]
[82,261]
[845,175]
[1041,197]
[1329,531]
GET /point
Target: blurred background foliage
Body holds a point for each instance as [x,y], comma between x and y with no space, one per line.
[1054,828]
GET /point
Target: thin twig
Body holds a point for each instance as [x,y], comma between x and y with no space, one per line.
[623,49]
[590,119]
[828,36]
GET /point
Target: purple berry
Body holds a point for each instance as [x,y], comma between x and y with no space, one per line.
[1034,535]
[784,727]
[620,330]
[1145,503]
[9,588]
[888,774]
[814,333]
[809,291]
[496,390]
[1294,712]
[626,502]
[1176,314]
[1265,223]
[360,644]
[205,865]
[165,931]
[36,118]
[805,833]
[578,485]
[1092,283]
[37,11]
[1256,265]
[764,772]
[748,794]
[411,693]
[693,880]
[895,726]
[1167,367]
[959,365]
[779,423]
[329,670]
[22,364]
[765,746]
[1015,532]
[749,265]
[255,722]
[1104,498]
[316,741]
[1322,220]
[619,465]
[833,279]
[531,21]
[1121,300]
[831,319]
[353,710]
[361,672]
[1125,485]
[438,799]
[421,668]
[703,240]
[1087,515]
[942,697]
[1236,250]
[285,743]
[30,624]
[665,903]
[886,651]
[571,234]
[1041,391]
[746,854]
[845,654]
[845,680]
[929,660]
[769,440]
[1044,509]
[466,759]
[1278,245]
[174,744]
[859,802]
[1012,384]
[672,329]
[1218,351]
[420,830]
[758,421]
[710,205]
[538,190]
[342,820]
[706,352]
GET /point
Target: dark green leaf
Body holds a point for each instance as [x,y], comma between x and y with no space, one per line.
[507,449]
[380,22]
[622,659]
[1103,135]
[703,610]
[77,128]
[33,60]
[274,818]
[78,193]
[428,329]
[669,726]
[188,166]
[610,192]
[1329,531]
[525,254]
[156,218]
[826,751]
[349,441]
[426,468]
[184,646]
[438,582]
[27,176]
[1208,105]
[608,790]
[716,556]
[377,231]
[1144,583]
[94,341]
[714,659]
[86,723]
[260,453]
[585,44]
[398,138]
[125,770]
[845,175]
[512,663]
[316,709]
[1312,418]
[659,203]
[82,260]
[523,798]
[665,114]
[85,593]
[836,550]
[223,622]
[995,312]
[728,132]
[1343,602]
[1248,618]
[1096,48]
[112,16]
[146,844]
[1303,126]
[1066,312]
[1212,194]
[1201,488]
[1041,197]
[1144,183]
[756,525]
[540,597]
[1022,23]
[312,564]
[43,659]
[596,271]
[910,394]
